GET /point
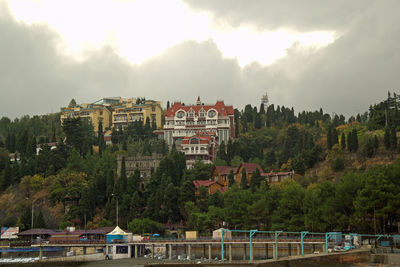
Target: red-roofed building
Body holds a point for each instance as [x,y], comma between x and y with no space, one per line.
[182,120]
[212,186]
[208,125]
[220,174]
[201,146]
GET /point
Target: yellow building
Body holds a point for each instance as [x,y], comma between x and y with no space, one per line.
[128,112]
[116,112]
[93,113]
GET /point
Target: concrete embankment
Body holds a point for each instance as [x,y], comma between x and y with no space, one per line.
[331,260]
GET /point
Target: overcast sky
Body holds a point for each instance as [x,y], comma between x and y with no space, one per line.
[339,55]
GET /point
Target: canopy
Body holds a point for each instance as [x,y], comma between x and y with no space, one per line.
[117,231]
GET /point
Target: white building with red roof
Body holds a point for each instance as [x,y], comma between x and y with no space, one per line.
[187,120]
[198,129]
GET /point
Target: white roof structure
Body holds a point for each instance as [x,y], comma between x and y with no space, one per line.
[117,231]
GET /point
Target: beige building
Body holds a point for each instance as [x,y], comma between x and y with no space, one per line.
[147,165]
[128,112]
[93,113]
[116,112]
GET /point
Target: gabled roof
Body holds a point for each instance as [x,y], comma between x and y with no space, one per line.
[205,183]
[251,167]
[225,170]
[219,106]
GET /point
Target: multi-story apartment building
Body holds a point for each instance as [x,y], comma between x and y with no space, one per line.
[92,112]
[115,112]
[128,112]
[198,129]
[186,121]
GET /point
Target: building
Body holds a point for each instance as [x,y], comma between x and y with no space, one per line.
[277,177]
[220,174]
[116,112]
[93,113]
[250,168]
[211,186]
[132,110]
[209,125]
[185,121]
[201,146]
[147,165]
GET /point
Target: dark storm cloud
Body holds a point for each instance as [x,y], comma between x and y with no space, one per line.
[345,77]
[273,14]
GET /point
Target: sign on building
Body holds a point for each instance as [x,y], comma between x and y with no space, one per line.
[9,232]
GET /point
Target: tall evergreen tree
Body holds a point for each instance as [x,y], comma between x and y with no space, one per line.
[335,139]
[393,138]
[386,138]
[355,140]
[244,182]
[329,139]
[231,178]
[343,141]
[376,143]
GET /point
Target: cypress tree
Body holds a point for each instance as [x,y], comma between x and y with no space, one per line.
[355,140]
[350,141]
[231,178]
[243,182]
[335,139]
[393,139]
[376,143]
[123,179]
[329,140]
[386,138]
[343,141]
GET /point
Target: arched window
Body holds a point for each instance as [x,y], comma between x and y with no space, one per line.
[202,113]
[194,141]
[212,113]
[180,114]
[191,113]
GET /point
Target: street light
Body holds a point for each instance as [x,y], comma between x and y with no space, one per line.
[31,218]
[117,205]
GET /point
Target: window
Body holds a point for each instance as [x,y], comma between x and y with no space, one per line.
[194,140]
[202,113]
[153,109]
[212,113]
[122,249]
[191,113]
[180,114]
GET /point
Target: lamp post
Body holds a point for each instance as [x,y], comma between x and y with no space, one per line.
[117,206]
[31,217]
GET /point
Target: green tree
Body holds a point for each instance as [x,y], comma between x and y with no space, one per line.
[386,139]
[231,178]
[243,181]
[393,138]
[343,141]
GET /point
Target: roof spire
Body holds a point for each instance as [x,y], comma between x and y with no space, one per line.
[198,102]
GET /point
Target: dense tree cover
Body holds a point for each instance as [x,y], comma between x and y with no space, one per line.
[79,177]
[361,201]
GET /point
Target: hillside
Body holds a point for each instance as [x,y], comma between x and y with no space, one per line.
[342,168]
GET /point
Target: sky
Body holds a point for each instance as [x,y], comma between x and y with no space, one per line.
[340,55]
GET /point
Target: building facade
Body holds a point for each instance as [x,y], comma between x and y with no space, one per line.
[130,111]
[116,112]
[93,113]
[147,165]
[185,121]
[198,129]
